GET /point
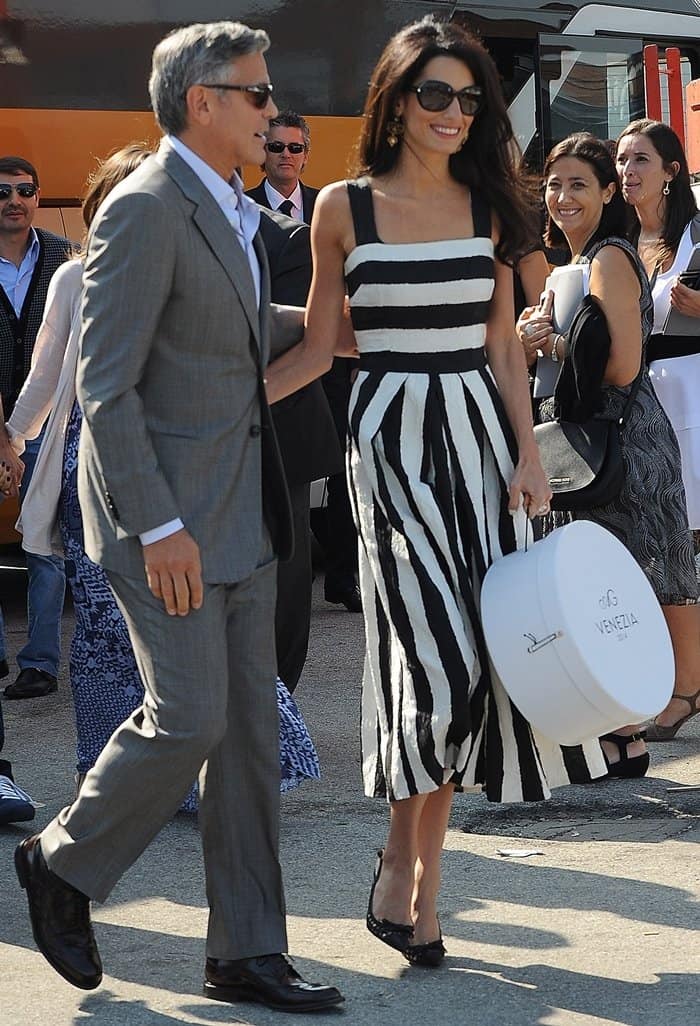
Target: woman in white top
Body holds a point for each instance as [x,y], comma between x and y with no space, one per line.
[655,181]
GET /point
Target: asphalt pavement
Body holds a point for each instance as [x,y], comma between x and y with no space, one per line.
[592,922]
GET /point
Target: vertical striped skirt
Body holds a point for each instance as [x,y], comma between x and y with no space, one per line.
[430,459]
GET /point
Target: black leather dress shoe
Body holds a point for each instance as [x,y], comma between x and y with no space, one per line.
[343,594]
[4,668]
[31,683]
[270,980]
[60,917]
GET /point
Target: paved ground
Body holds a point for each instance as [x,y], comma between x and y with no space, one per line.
[599,929]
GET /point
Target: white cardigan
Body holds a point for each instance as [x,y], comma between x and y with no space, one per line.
[49,390]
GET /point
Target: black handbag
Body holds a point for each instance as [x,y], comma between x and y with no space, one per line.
[583,462]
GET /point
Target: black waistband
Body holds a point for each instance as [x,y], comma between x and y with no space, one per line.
[425,363]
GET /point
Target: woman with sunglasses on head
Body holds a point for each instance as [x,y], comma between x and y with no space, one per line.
[441,449]
[585,209]
[104,677]
[655,182]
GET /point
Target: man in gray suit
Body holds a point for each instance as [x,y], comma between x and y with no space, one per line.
[184,503]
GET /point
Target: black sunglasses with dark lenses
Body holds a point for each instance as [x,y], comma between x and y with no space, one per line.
[259,95]
[277,146]
[25,189]
[437,96]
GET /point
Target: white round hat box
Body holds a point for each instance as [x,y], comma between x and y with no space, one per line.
[576,634]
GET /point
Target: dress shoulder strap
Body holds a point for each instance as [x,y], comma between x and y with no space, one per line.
[362,210]
[695,230]
[481,214]
[631,252]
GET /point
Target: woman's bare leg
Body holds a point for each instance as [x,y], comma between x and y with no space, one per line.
[394,891]
[684,626]
[431,836]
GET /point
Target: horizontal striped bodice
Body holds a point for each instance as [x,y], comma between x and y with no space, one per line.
[417,297]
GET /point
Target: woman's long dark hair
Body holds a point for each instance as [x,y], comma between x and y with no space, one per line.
[679,207]
[595,153]
[488,161]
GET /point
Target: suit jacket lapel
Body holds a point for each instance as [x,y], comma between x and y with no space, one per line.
[218,234]
[309,200]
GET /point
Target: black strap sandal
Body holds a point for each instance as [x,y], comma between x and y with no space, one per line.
[626,767]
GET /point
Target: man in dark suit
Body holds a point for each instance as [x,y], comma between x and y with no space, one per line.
[308,445]
[286,153]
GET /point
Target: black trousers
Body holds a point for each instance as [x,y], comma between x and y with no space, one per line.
[293,611]
[340,542]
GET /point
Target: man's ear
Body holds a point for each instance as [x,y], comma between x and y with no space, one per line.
[198,100]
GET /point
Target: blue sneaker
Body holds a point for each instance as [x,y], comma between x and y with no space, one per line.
[15,804]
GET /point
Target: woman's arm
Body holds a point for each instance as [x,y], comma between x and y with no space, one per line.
[507,362]
[331,238]
[36,398]
[614,283]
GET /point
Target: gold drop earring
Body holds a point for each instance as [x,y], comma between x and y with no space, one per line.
[394,130]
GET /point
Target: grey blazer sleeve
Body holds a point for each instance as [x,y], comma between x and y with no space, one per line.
[127,281]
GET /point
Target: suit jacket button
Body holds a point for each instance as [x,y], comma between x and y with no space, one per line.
[254,430]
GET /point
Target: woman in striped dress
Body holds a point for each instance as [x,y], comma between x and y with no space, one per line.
[441,453]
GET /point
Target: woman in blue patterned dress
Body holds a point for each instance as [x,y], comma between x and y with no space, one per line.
[104,677]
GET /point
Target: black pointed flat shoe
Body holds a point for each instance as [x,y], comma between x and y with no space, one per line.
[429,955]
[396,935]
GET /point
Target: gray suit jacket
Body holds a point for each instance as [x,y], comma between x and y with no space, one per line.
[170,380]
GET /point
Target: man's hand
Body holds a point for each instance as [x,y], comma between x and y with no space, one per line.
[346,343]
[174,572]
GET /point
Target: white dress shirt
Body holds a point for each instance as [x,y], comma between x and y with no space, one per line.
[244,217]
[275,198]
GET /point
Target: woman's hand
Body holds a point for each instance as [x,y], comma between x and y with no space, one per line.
[530,483]
[346,343]
[534,328]
[684,300]
[11,466]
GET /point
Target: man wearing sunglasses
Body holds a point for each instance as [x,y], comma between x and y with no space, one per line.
[28,258]
[185,505]
[286,154]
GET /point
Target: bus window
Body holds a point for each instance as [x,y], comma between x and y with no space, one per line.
[588,84]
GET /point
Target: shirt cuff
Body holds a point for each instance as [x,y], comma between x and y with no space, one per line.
[164,531]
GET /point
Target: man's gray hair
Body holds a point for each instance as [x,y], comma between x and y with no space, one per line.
[192,55]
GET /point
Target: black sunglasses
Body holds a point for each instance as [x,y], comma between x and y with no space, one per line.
[436,96]
[25,189]
[259,95]
[277,146]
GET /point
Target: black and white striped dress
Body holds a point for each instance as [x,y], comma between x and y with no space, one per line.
[431,455]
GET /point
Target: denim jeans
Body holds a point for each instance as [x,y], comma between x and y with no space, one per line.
[45,593]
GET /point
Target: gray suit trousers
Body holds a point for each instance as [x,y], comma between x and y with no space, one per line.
[210,708]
